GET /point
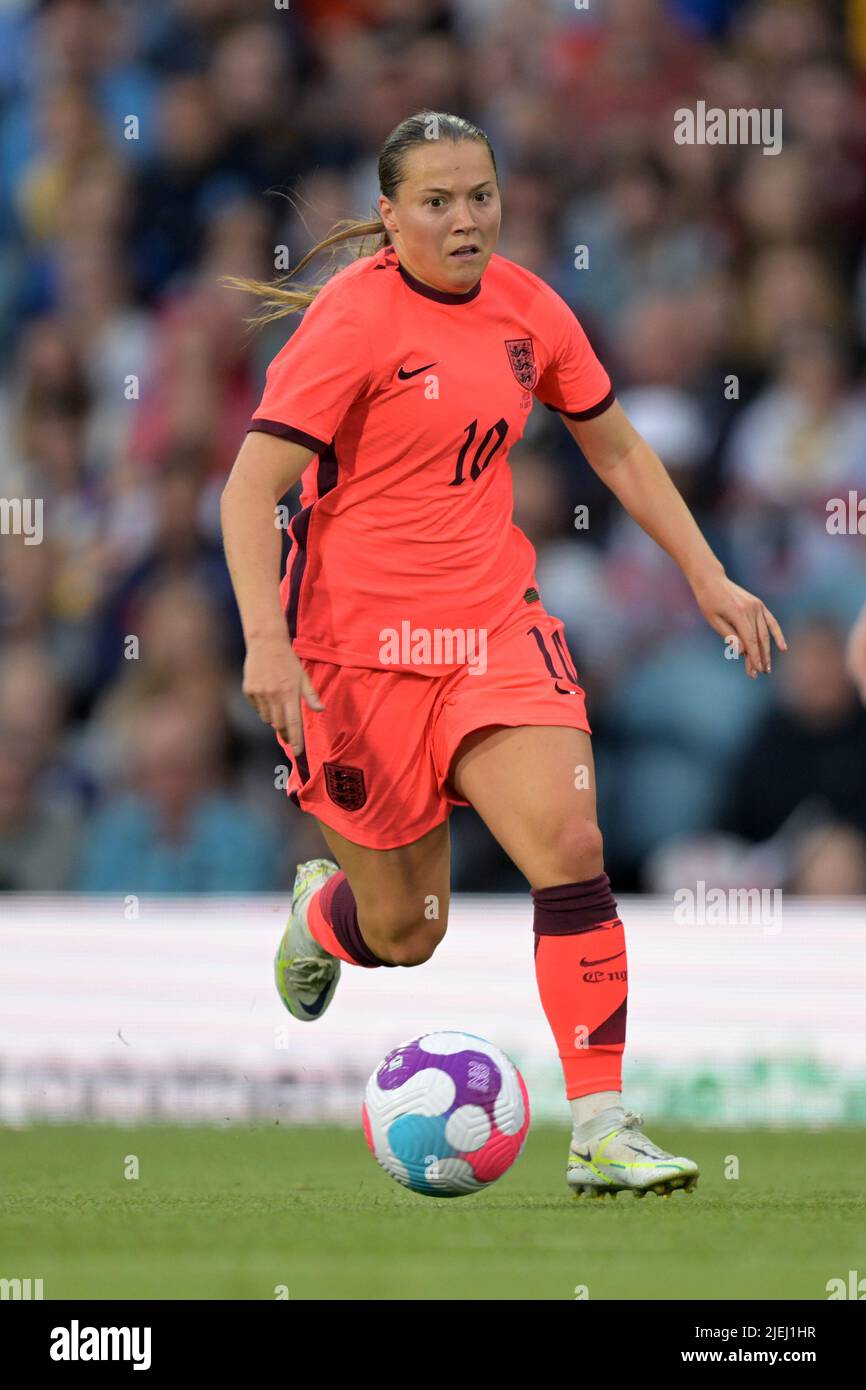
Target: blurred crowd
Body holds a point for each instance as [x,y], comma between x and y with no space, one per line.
[144,149]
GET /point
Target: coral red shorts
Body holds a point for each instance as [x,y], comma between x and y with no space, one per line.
[376,760]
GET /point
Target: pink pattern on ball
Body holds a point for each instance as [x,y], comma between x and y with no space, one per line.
[368,1133]
[496,1156]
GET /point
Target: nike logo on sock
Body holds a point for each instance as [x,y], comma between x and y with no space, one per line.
[584,961]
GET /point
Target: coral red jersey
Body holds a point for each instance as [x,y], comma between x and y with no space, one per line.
[411,398]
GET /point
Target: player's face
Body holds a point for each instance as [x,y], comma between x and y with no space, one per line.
[448,202]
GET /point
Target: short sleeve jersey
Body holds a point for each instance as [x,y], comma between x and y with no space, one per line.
[411,399]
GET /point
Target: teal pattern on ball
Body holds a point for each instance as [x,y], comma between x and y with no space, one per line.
[418,1140]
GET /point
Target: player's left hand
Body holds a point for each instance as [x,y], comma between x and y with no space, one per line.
[734,612]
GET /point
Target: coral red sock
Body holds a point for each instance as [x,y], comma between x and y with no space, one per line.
[332,917]
[582,975]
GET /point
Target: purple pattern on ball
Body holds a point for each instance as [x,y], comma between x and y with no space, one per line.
[477,1079]
[413,1060]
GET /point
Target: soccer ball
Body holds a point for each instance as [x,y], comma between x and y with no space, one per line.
[446,1114]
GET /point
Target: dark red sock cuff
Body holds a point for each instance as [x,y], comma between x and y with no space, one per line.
[573,907]
[340,910]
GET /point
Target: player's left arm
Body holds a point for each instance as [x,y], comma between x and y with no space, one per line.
[637,477]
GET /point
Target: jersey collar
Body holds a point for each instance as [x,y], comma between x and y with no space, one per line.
[388,257]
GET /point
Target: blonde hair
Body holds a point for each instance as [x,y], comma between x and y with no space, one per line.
[282,297]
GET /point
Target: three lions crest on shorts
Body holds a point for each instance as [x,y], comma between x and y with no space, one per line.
[345,786]
[521,355]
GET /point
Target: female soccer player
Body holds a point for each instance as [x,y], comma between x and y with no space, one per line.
[407,662]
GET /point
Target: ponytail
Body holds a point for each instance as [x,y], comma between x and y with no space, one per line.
[281,298]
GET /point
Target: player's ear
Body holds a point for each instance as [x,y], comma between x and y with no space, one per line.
[386,212]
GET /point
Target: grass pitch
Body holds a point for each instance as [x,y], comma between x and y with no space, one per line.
[235,1213]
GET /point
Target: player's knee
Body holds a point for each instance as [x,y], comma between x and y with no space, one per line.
[578,848]
[411,940]
[413,951]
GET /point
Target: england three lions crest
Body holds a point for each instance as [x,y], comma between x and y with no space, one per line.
[345,786]
[521,355]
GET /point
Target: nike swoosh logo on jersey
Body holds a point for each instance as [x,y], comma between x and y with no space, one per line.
[584,961]
[404,375]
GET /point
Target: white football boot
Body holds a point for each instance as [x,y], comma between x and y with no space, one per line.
[611,1155]
[306,974]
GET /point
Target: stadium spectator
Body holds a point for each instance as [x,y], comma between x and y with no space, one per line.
[810,748]
[175,829]
[40,838]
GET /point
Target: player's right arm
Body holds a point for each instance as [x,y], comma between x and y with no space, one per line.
[274,679]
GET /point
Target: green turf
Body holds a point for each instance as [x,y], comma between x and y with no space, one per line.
[232,1213]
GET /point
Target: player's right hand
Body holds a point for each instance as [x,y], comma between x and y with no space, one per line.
[275,682]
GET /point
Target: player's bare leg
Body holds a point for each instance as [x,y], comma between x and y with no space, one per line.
[369,908]
[534,787]
[402,895]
